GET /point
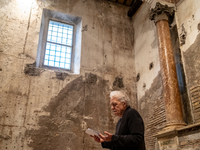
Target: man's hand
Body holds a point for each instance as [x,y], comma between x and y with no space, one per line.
[97,139]
[103,138]
[106,138]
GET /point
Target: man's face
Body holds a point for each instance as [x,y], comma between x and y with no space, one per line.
[117,107]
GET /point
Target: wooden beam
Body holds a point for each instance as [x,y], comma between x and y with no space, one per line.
[124,2]
[135,6]
[132,2]
[121,1]
[128,2]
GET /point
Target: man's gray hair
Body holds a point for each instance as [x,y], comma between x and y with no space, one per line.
[121,96]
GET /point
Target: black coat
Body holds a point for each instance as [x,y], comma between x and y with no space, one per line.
[129,133]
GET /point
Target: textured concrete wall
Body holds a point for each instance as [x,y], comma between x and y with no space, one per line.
[51,110]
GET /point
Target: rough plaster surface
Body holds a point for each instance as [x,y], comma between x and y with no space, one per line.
[27,101]
[114,49]
[190,140]
[188,21]
[192,67]
[75,108]
[187,25]
[146,49]
[192,63]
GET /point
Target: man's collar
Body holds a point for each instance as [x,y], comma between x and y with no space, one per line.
[125,110]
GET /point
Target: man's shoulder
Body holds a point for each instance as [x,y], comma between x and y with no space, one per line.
[132,111]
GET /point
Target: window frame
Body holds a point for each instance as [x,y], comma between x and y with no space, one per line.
[72,52]
[48,15]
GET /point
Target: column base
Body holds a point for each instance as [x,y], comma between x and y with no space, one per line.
[173,126]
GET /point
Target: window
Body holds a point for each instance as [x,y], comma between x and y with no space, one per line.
[59,44]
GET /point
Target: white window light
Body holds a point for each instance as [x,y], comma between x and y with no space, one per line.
[59,45]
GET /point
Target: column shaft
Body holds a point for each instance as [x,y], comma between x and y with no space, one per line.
[173,109]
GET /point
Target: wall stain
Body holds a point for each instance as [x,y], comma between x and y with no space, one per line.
[85,28]
[32,70]
[91,78]
[4,137]
[192,63]
[183,35]
[66,124]
[118,83]
[61,75]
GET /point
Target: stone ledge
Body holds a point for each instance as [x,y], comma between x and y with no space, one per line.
[166,133]
[188,129]
[178,131]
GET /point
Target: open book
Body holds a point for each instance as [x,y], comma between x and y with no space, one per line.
[92,132]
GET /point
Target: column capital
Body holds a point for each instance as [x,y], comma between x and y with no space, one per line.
[162,12]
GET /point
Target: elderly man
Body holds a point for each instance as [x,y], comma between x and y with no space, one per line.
[129,133]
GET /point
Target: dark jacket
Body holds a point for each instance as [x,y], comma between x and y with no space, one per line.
[129,133]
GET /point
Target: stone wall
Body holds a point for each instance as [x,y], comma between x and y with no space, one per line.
[149,84]
[51,110]
[188,29]
[46,109]
[185,41]
[189,138]
[152,108]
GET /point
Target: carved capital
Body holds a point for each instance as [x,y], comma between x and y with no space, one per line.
[162,12]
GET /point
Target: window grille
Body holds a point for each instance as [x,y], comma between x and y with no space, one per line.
[59,44]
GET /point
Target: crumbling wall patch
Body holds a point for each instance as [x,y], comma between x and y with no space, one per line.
[77,106]
[152,109]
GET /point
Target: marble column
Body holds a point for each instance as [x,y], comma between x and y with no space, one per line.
[162,15]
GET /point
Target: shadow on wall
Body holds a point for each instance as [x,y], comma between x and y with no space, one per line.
[81,104]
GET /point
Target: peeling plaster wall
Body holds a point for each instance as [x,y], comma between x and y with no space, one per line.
[52,110]
[149,86]
[188,23]
[146,49]
[152,109]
